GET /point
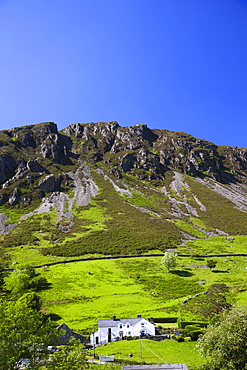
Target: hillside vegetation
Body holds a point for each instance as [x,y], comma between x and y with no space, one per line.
[99,188]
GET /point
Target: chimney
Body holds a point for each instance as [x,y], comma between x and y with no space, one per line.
[114,318]
[139,316]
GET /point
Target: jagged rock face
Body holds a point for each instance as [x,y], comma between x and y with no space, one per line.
[50,183]
[29,152]
[34,166]
[15,197]
[7,167]
[57,148]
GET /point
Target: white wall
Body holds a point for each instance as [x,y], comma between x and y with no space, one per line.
[122,330]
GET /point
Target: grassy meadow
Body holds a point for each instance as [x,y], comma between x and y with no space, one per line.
[82,292]
[150,352]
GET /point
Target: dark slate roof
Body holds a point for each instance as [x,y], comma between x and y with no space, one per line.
[156,367]
[112,323]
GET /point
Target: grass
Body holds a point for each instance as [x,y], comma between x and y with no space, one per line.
[151,352]
[220,212]
[115,228]
[216,245]
[13,214]
[83,292]
[200,223]
[189,229]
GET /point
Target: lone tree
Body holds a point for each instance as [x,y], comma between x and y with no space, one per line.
[224,344]
[169,261]
[211,264]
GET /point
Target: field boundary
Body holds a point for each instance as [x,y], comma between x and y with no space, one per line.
[132,256]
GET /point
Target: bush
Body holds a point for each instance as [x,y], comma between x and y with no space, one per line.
[187,339]
[183,324]
[164,319]
[194,331]
[38,282]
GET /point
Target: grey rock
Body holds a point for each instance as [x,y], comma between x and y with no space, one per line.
[15,197]
[34,166]
[3,199]
[7,167]
[76,129]
[50,183]
[57,148]
[28,140]
[127,163]
[44,129]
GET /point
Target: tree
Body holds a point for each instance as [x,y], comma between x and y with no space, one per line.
[22,332]
[32,300]
[20,281]
[224,344]
[168,261]
[211,264]
[71,357]
[17,283]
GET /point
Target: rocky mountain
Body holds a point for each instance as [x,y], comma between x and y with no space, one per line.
[102,188]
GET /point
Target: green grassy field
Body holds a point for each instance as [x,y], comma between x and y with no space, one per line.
[80,293]
[83,292]
[150,352]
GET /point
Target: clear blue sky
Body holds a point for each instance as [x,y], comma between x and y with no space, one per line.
[179,65]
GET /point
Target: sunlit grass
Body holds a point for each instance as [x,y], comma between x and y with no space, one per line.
[151,352]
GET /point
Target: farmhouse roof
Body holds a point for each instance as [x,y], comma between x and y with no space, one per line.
[112,322]
[67,335]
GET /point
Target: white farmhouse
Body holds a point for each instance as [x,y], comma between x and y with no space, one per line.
[111,330]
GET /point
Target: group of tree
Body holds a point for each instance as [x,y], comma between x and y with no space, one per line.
[224,343]
[26,332]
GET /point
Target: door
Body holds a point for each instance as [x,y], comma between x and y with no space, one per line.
[109,334]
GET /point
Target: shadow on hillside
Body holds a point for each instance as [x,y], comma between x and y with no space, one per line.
[220,271]
[182,273]
[54,317]
[45,286]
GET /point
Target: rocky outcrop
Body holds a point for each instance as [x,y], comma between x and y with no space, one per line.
[34,166]
[7,167]
[57,148]
[4,227]
[29,152]
[50,183]
[15,197]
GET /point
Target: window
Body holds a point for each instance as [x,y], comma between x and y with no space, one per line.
[128,326]
[120,326]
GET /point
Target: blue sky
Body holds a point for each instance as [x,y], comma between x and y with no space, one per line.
[179,65]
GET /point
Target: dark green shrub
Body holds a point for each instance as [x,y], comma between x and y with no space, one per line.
[183,324]
[194,331]
[38,282]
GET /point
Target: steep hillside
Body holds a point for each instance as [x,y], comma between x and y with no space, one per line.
[102,188]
